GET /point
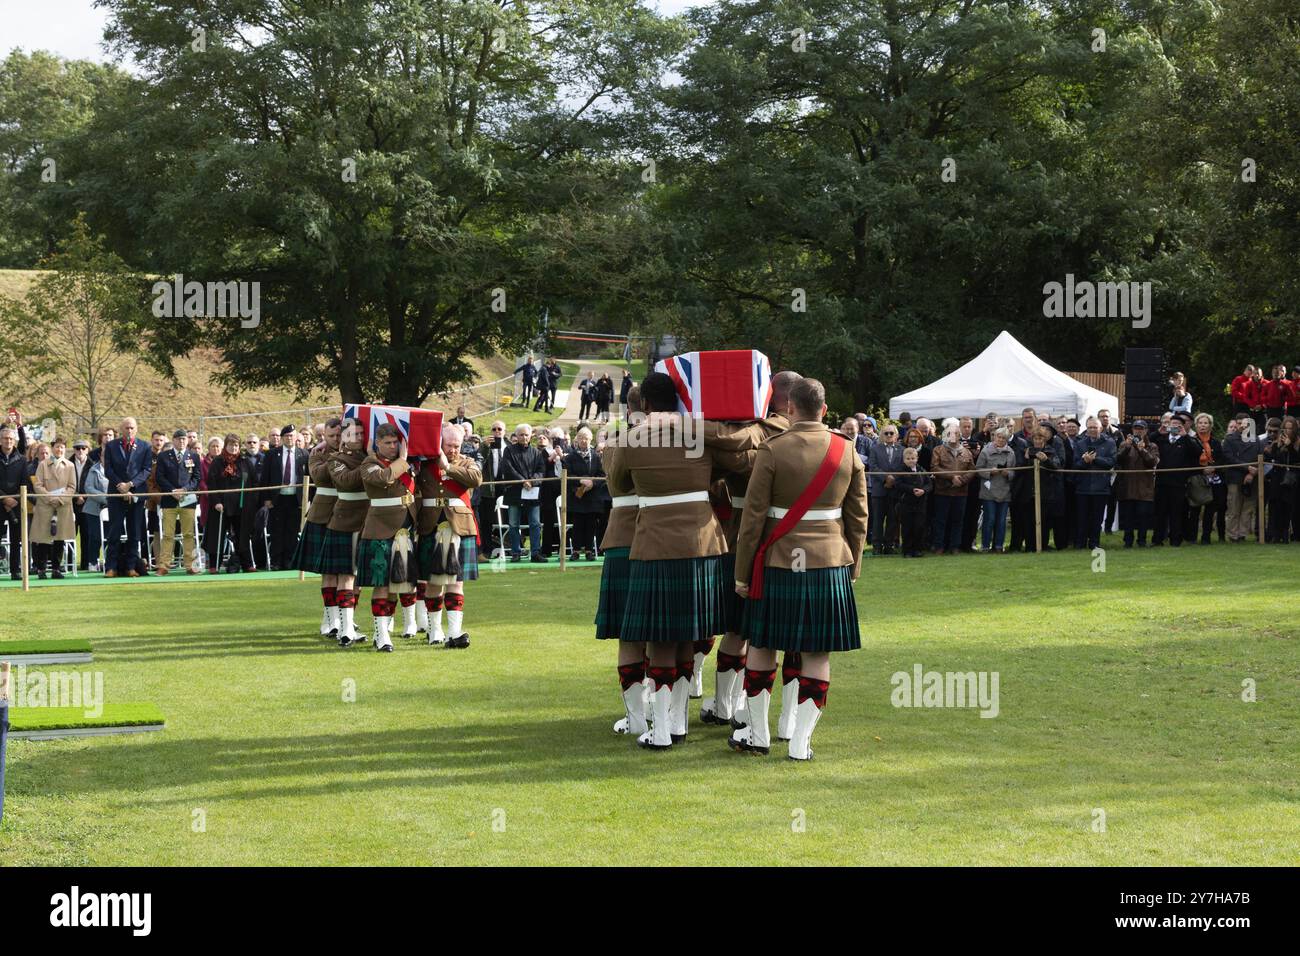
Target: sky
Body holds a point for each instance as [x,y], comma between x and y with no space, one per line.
[73,28]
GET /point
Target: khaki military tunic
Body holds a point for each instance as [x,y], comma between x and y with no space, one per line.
[322,505]
[350,510]
[439,503]
[653,458]
[390,503]
[784,466]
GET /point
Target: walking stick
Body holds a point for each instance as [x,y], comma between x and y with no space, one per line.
[4,730]
[1038,507]
[564,515]
[1259,491]
[306,489]
[22,534]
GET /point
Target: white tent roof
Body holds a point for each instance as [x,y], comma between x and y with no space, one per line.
[1005,378]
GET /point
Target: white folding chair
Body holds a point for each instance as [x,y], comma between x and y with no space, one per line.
[502,528]
[560,532]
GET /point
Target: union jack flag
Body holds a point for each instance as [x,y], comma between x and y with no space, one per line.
[731,385]
[421,428]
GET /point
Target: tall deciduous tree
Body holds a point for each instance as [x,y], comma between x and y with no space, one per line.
[68,341]
[391,172]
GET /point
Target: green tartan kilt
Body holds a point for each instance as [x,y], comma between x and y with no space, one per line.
[613,593]
[468,557]
[307,556]
[733,605]
[810,611]
[336,553]
[672,600]
[375,566]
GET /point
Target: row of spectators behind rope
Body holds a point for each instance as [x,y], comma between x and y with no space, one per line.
[245,531]
[966,482]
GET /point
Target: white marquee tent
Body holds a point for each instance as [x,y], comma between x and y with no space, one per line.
[1005,378]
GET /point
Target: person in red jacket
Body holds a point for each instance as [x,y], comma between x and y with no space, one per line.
[1273,392]
[1255,399]
[1239,390]
[1293,391]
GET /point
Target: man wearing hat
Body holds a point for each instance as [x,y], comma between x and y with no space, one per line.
[1176,450]
[81,462]
[284,465]
[1136,490]
[177,474]
[307,556]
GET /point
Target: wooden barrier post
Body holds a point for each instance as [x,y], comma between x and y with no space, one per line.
[1038,507]
[24,544]
[302,522]
[564,517]
[1259,492]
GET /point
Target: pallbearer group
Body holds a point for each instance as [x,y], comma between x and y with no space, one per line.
[752,531]
[403,528]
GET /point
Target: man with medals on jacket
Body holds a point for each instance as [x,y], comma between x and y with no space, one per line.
[448,542]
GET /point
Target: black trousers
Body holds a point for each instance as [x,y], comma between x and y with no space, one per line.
[282,525]
[92,537]
[9,520]
[1280,509]
[971,520]
[584,410]
[884,522]
[550,517]
[1022,526]
[1135,520]
[1168,508]
[583,536]
[913,522]
[1089,509]
[1207,517]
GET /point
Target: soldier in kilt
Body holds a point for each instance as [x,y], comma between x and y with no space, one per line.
[798,554]
[673,592]
[615,546]
[307,555]
[385,555]
[338,553]
[448,542]
[727,705]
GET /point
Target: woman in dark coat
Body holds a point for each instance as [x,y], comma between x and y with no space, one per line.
[587,498]
[604,397]
[234,509]
[1211,454]
[1051,487]
[1280,490]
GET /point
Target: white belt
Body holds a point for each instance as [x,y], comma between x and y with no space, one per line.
[737,501]
[352,496]
[443,503]
[385,502]
[327,492]
[652,501]
[828,514]
[624,501]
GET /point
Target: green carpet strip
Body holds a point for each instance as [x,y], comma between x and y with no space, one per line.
[48,723]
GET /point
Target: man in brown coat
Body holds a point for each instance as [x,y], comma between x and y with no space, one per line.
[307,555]
[1136,491]
[953,469]
[385,557]
[448,550]
[797,556]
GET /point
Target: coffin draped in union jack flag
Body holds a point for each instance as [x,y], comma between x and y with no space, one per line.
[732,385]
[421,428]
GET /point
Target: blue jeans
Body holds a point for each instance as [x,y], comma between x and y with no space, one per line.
[946,531]
[995,523]
[125,519]
[534,528]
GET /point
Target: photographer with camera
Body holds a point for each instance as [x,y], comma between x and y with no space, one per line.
[1136,491]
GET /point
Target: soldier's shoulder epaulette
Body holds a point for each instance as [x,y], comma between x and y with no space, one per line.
[836,431]
[778,436]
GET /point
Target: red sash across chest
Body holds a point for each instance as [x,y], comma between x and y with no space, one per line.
[457,491]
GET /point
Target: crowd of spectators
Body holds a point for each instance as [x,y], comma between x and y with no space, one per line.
[1162,482]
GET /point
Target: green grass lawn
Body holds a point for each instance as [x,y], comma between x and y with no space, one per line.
[1119,691]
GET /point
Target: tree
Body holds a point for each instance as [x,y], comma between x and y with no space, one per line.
[390,172]
[68,341]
